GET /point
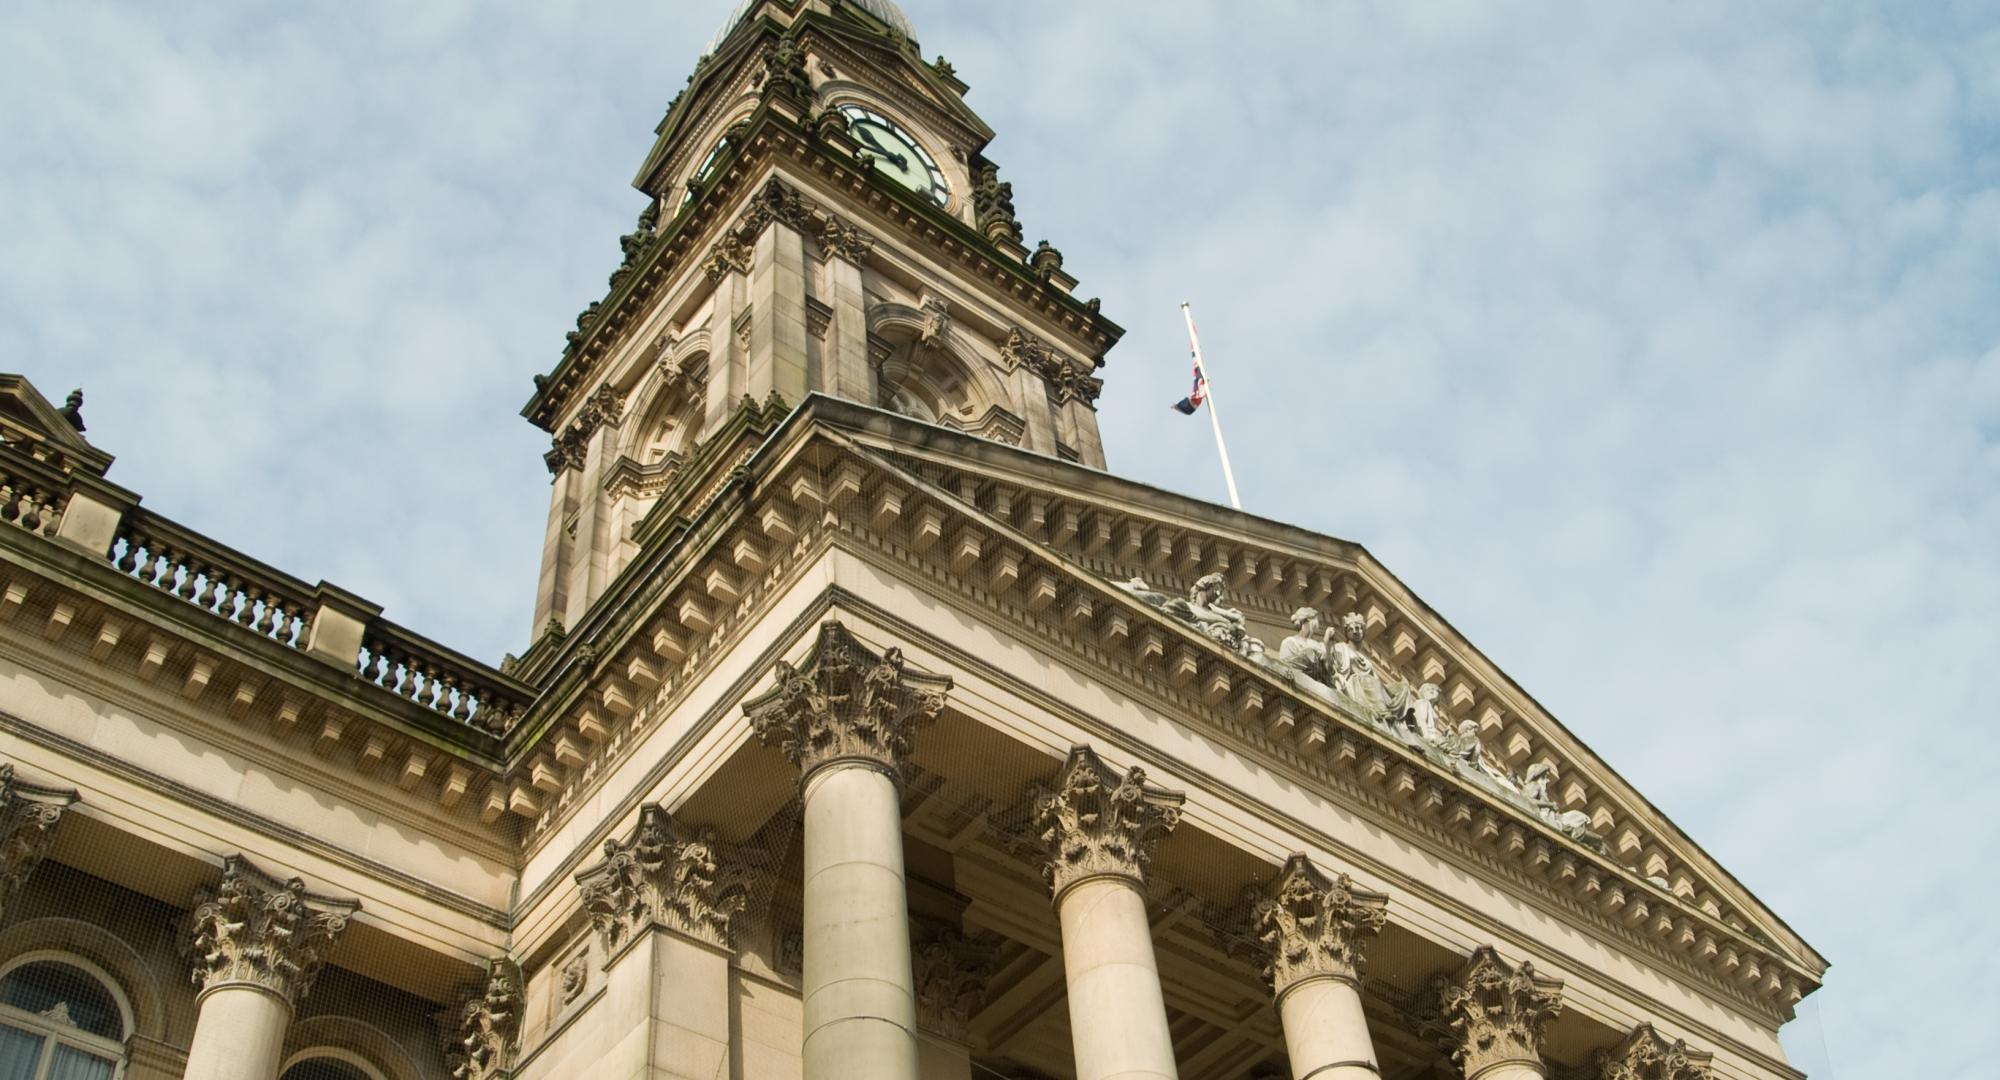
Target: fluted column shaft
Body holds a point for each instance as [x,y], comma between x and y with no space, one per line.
[1100,829]
[846,718]
[257,944]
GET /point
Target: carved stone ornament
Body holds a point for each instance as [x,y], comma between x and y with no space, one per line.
[784,71]
[993,204]
[571,448]
[682,879]
[1309,926]
[951,973]
[1067,380]
[29,815]
[1203,609]
[778,201]
[1497,1013]
[257,930]
[487,1022]
[845,703]
[1647,1055]
[1097,823]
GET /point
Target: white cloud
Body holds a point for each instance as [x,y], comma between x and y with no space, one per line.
[1653,346]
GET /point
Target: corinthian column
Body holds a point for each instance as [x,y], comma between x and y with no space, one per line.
[1647,1055]
[28,819]
[258,944]
[1100,830]
[663,901]
[846,718]
[1313,933]
[1497,1014]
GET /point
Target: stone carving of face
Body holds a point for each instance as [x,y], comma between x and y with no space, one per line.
[1355,625]
[1209,589]
[1307,621]
[1428,692]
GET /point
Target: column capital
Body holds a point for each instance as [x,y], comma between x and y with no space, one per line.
[29,815]
[480,1033]
[1309,926]
[1497,1012]
[670,875]
[844,703]
[256,930]
[1097,823]
[1647,1055]
[951,972]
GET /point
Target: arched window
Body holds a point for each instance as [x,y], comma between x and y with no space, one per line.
[322,1067]
[59,1021]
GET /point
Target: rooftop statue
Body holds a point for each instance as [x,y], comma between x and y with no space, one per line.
[1535,786]
[1356,674]
[1204,610]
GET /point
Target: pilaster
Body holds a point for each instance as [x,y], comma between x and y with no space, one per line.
[666,875]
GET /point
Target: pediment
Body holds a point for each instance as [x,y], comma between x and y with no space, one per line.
[1429,718]
[32,424]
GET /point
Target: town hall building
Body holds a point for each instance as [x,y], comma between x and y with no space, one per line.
[870,727]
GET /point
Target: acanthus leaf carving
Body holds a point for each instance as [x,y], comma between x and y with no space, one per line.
[1645,1054]
[845,703]
[571,448]
[254,929]
[486,1024]
[1067,380]
[1308,926]
[29,815]
[1497,1013]
[951,972]
[683,879]
[1096,822]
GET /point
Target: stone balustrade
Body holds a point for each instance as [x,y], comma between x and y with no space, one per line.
[222,582]
[440,679]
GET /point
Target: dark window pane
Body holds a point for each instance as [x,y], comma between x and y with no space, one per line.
[65,995]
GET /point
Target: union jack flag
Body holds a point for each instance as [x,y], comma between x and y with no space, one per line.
[1187,405]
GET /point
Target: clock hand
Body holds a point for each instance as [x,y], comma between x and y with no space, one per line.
[867,136]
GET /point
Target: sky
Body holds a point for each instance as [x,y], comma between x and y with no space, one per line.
[1655,345]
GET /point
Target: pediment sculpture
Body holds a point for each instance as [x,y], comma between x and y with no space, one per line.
[1338,667]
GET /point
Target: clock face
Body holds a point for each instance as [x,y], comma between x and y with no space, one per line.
[896,153]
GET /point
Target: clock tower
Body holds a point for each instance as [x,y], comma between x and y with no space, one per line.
[821,219]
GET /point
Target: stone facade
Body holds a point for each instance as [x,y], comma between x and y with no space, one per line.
[869,728]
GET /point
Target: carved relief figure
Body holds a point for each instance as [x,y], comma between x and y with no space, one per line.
[1205,611]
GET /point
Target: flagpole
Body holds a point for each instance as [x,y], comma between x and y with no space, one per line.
[1214,418]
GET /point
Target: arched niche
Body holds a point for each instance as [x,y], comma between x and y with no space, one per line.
[924,370]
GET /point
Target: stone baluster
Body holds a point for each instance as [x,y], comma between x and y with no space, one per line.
[663,902]
[1100,830]
[1313,933]
[1497,1014]
[257,944]
[480,1034]
[846,718]
[29,815]
[1645,1054]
